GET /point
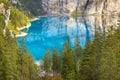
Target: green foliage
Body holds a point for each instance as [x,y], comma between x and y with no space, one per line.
[56,61]
[8,66]
[110,57]
[47,61]
[2,20]
[85,72]
[15,64]
[18,19]
[77,48]
[28,70]
[99,60]
[3,1]
[78,56]
[69,63]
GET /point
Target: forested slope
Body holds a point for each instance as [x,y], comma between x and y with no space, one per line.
[99,60]
[16,63]
[30,7]
[12,18]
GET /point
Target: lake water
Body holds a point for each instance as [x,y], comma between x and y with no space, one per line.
[50,32]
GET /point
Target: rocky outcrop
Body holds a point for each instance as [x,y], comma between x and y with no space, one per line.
[6,13]
[104,12]
[59,7]
[101,6]
[30,7]
[98,7]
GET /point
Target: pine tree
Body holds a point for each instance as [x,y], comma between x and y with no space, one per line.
[47,61]
[8,65]
[56,62]
[69,63]
[118,52]
[28,70]
[110,58]
[86,64]
[97,48]
[78,55]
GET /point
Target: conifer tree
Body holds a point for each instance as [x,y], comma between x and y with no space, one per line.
[117,33]
[110,58]
[56,62]
[97,48]
[28,70]
[69,63]
[85,71]
[47,61]
[8,66]
[78,55]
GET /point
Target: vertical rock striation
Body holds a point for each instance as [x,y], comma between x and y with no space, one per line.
[105,12]
[100,6]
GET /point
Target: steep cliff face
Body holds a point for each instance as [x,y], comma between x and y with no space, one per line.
[101,6]
[104,11]
[30,7]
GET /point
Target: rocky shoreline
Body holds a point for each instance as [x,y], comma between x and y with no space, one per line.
[24,27]
[23,34]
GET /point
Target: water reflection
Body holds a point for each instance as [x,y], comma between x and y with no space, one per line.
[50,32]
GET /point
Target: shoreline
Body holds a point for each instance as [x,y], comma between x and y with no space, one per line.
[24,27]
[39,62]
[23,34]
[28,25]
[34,19]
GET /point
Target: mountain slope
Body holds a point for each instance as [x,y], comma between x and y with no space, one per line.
[12,18]
[30,7]
[100,6]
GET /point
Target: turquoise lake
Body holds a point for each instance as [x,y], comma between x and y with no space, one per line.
[50,32]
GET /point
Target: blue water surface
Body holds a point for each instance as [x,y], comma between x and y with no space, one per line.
[50,32]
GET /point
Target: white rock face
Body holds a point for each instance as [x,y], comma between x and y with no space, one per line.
[6,13]
[103,6]
[7,20]
[105,10]
[59,6]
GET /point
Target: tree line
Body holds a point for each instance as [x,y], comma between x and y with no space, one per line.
[99,60]
[16,63]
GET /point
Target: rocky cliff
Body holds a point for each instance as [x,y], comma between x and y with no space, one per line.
[30,7]
[100,6]
[104,12]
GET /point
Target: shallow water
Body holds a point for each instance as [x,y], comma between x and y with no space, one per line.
[50,32]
